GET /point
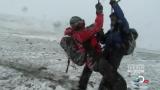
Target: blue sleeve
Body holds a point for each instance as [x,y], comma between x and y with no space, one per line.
[118,11]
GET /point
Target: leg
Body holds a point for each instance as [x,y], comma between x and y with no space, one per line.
[104,85]
[120,83]
[115,60]
[112,80]
[108,74]
[85,78]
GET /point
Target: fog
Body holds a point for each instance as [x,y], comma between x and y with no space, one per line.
[141,14]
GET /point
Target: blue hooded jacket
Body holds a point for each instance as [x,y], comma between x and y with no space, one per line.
[116,38]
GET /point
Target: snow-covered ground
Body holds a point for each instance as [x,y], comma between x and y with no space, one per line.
[31,59]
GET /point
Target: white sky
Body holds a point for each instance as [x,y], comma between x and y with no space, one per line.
[144,15]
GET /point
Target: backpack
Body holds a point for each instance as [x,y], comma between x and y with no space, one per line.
[131,42]
[69,46]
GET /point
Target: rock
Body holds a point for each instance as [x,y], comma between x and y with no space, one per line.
[59,88]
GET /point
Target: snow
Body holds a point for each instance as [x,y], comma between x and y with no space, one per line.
[31,59]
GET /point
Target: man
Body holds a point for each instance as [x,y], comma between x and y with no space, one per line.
[115,46]
[116,36]
[86,40]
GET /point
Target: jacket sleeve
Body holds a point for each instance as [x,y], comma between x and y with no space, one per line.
[85,35]
[118,11]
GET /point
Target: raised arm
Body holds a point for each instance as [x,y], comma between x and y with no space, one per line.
[119,13]
[85,35]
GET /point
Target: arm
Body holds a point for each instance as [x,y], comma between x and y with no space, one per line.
[118,11]
[85,35]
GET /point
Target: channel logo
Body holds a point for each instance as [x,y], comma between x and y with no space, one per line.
[136,69]
[142,80]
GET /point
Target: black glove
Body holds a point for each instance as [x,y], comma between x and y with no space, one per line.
[99,8]
[113,2]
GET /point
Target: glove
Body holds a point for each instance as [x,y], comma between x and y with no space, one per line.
[113,2]
[99,8]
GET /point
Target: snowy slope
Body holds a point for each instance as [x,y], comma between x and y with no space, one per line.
[31,59]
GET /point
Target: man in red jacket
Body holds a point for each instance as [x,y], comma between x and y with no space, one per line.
[80,33]
[86,40]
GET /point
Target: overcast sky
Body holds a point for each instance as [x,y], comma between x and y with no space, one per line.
[144,15]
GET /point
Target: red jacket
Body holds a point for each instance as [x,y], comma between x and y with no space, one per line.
[88,34]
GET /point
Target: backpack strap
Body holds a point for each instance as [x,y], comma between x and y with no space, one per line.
[68,65]
[133,42]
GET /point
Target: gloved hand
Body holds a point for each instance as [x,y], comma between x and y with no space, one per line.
[99,8]
[113,2]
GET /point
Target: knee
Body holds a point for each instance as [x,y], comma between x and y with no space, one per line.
[105,67]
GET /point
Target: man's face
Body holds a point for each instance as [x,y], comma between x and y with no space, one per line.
[113,20]
[79,25]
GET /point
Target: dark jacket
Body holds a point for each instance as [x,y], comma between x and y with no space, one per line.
[114,46]
[115,37]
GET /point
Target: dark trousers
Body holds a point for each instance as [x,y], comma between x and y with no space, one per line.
[85,78]
[111,79]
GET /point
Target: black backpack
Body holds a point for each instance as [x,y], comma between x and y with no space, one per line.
[69,46]
[130,42]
